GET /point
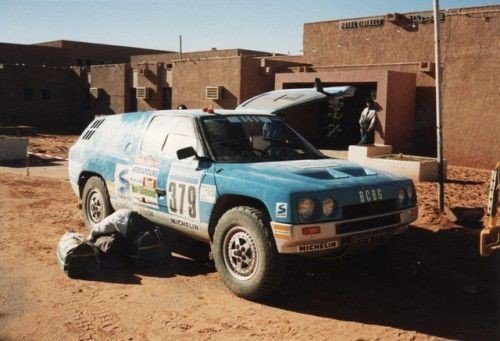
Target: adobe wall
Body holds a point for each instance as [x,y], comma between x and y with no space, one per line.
[470,51]
[113,81]
[168,58]
[190,78]
[257,74]
[97,54]
[149,75]
[61,106]
[32,55]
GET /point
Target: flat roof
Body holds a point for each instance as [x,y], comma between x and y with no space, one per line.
[486,8]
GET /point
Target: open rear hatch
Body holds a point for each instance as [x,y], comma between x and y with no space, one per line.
[276,101]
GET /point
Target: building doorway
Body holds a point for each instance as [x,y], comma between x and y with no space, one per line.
[132,100]
[332,124]
[167,98]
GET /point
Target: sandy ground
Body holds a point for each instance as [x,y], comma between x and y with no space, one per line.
[55,145]
[429,283]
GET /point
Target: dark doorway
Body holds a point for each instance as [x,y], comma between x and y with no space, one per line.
[167,98]
[343,118]
[133,100]
[331,124]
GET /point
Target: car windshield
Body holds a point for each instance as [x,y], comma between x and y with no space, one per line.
[254,138]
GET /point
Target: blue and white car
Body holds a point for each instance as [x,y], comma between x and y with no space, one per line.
[241,180]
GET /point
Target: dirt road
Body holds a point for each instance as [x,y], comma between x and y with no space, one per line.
[424,285]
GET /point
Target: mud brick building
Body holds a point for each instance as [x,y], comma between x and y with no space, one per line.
[63,84]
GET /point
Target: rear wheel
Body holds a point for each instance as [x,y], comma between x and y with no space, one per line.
[245,254]
[96,205]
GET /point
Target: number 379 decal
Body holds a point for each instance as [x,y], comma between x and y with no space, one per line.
[182,199]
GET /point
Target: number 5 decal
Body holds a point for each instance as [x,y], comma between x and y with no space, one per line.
[180,202]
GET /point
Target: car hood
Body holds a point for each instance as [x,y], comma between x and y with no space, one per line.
[307,175]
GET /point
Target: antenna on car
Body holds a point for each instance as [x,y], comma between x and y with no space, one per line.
[318,85]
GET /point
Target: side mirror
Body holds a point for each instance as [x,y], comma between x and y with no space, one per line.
[184,153]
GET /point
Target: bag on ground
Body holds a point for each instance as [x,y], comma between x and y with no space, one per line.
[112,249]
[148,248]
[77,256]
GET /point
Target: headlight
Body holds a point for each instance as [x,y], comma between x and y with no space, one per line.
[328,206]
[410,190]
[402,196]
[306,208]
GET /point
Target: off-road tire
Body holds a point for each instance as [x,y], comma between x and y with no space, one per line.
[270,266]
[95,190]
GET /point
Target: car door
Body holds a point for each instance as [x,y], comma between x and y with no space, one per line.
[189,186]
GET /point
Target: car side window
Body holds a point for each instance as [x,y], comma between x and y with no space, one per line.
[180,136]
[155,136]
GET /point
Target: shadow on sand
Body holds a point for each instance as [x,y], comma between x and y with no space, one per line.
[174,266]
[33,161]
[433,283]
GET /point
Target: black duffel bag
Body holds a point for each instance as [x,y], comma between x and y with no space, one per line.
[147,247]
[77,256]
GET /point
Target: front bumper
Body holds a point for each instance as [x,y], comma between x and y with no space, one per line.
[341,234]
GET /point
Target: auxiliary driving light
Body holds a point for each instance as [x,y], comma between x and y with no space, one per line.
[411,193]
[328,206]
[402,196]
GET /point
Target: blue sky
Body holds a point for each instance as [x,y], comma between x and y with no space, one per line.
[274,26]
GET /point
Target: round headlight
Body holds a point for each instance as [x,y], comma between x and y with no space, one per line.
[328,206]
[402,196]
[306,208]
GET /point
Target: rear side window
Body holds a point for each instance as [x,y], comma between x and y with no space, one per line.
[169,134]
[156,134]
[182,135]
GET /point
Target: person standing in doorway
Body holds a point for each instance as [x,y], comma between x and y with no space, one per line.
[367,122]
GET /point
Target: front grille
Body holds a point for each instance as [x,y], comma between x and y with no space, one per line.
[369,209]
[368,224]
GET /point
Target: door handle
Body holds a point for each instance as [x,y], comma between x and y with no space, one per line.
[161,191]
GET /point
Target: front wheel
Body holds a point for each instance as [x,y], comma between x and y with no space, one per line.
[245,254]
[96,205]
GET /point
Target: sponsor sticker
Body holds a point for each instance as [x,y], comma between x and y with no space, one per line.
[207,194]
[369,195]
[281,209]
[186,224]
[318,246]
[282,232]
[183,191]
[122,181]
[143,175]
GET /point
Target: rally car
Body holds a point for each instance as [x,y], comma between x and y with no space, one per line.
[241,180]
